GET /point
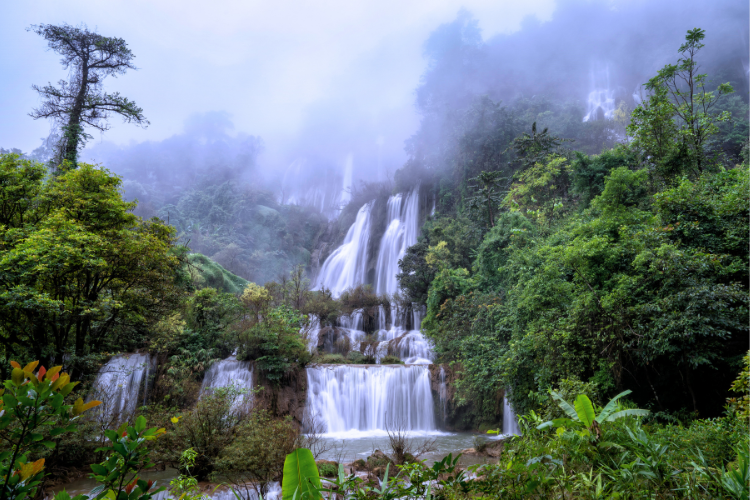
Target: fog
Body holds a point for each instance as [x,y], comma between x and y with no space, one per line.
[326,95]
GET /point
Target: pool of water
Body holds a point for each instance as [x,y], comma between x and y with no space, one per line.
[348,447]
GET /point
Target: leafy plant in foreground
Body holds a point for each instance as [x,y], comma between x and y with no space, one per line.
[32,410]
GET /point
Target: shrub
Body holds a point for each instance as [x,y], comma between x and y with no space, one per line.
[391,360]
[333,359]
[256,455]
[212,426]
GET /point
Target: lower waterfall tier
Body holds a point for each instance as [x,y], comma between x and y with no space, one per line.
[348,400]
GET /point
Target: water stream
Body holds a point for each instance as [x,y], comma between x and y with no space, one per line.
[346,267]
[350,401]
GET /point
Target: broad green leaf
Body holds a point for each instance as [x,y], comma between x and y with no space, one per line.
[300,472]
[585,410]
[627,413]
[569,410]
[611,406]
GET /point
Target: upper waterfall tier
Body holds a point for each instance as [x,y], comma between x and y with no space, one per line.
[401,233]
[346,267]
[122,385]
[601,101]
[346,400]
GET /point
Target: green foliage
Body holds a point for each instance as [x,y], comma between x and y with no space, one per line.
[242,229]
[186,485]
[675,126]
[128,455]
[256,456]
[212,426]
[488,191]
[32,413]
[207,273]
[301,478]
[275,343]
[80,274]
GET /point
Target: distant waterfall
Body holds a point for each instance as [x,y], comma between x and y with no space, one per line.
[346,267]
[122,385]
[601,100]
[510,420]
[350,399]
[401,233]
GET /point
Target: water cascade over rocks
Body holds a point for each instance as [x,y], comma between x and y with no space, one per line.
[122,385]
[346,267]
[510,420]
[601,100]
[401,233]
[228,372]
[369,399]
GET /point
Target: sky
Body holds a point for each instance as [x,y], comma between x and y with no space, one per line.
[274,66]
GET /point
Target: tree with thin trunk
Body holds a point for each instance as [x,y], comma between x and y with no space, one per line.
[81,101]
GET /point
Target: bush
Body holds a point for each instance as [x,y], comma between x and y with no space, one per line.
[391,360]
[212,426]
[256,456]
[332,359]
[275,343]
[328,469]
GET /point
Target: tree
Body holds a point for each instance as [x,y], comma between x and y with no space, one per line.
[77,268]
[679,114]
[81,101]
[488,188]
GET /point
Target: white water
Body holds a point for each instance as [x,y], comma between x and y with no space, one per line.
[443,394]
[122,385]
[229,372]
[601,100]
[510,420]
[409,345]
[401,233]
[346,267]
[312,332]
[352,401]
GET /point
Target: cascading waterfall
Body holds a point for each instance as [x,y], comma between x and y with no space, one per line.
[228,372]
[401,233]
[601,100]
[312,332]
[346,400]
[346,267]
[510,420]
[443,394]
[120,383]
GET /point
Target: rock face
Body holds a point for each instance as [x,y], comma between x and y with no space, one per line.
[286,398]
[452,417]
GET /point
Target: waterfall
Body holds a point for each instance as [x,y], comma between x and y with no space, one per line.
[443,394]
[510,420]
[601,100]
[401,233]
[312,332]
[119,384]
[346,400]
[346,267]
[230,372]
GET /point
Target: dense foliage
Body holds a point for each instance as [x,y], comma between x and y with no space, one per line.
[625,269]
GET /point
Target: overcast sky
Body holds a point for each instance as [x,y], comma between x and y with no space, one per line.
[270,64]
